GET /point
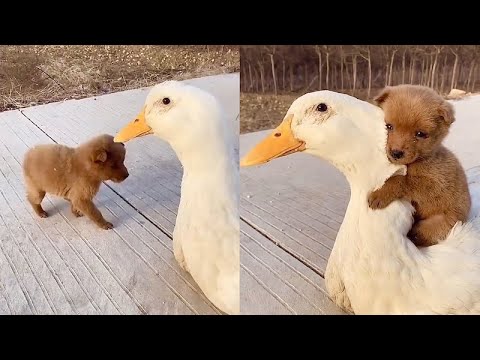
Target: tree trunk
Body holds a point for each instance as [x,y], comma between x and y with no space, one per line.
[474,78]
[391,67]
[243,84]
[354,72]
[434,68]
[457,76]
[403,66]
[348,79]
[283,77]
[272,62]
[429,70]
[412,69]
[443,74]
[251,77]
[386,74]
[341,67]
[262,79]
[291,77]
[327,83]
[422,78]
[306,75]
[334,77]
[369,73]
[319,70]
[256,78]
[470,73]
[452,83]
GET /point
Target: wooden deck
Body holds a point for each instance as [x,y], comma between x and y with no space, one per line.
[66,265]
[291,211]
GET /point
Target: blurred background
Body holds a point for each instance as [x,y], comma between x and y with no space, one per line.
[272,76]
[32,75]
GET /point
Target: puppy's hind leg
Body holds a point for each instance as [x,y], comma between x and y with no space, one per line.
[430,231]
[35,198]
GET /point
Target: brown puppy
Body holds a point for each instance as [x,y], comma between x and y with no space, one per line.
[74,174]
[417,120]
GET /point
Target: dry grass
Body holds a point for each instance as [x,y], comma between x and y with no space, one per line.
[31,75]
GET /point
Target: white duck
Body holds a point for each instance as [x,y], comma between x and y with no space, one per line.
[206,236]
[374,268]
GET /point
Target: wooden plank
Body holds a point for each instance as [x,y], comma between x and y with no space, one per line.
[278,278]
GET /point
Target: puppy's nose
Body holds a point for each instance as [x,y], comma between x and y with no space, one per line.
[397,154]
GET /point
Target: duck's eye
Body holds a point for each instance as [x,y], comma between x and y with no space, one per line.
[389,127]
[166,101]
[421,135]
[322,107]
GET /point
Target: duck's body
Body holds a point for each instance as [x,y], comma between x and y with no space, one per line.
[374,268]
[206,238]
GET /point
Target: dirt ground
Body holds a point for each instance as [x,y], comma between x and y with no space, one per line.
[31,75]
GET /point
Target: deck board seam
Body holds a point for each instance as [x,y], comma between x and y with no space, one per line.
[278,244]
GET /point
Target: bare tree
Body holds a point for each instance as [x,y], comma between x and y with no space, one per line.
[454,69]
[271,53]
[319,53]
[351,68]
[328,65]
[369,60]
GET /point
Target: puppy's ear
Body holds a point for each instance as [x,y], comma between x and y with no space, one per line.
[100,156]
[382,96]
[446,113]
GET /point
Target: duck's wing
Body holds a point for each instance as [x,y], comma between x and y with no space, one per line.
[473,178]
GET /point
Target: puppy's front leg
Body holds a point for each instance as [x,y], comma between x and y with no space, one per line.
[393,189]
[88,208]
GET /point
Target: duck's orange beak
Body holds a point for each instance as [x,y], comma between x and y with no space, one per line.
[136,128]
[279,143]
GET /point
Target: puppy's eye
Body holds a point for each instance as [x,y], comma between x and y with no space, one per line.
[421,135]
[389,127]
[166,101]
[322,107]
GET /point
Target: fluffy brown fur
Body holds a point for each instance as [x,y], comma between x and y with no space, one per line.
[418,119]
[74,174]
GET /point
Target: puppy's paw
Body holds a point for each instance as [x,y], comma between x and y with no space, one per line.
[377,200]
[43,214]
[107,225]
[77,213]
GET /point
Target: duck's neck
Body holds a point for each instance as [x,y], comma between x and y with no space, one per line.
[210,176]
[366,169]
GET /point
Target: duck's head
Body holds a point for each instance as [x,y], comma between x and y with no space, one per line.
[348,132]
[181,114]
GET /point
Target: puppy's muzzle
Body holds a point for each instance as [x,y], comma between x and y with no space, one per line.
[397,154]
